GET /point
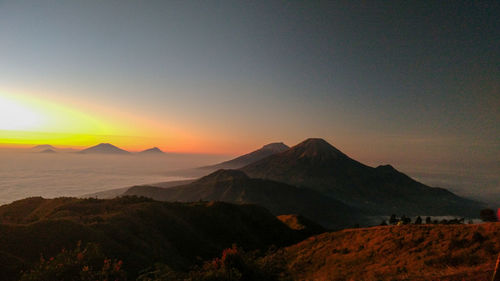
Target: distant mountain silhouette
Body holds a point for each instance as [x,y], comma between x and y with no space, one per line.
[266,150]
[138,230]
[236,187]
[150,151]
[42,147]
[317,165]
[48,151]
[104,148]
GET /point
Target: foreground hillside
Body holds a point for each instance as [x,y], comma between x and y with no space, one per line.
[410,252]
[139,231]
[216,241]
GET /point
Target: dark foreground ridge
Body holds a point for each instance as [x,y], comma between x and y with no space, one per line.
[138,230]
[147,240]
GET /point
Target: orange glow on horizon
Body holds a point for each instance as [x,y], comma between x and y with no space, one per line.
[77,124]
[28,121]
[191,144]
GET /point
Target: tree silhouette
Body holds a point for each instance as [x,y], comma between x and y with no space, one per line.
[393,219]
[405,219]
[418,220]
[488,215]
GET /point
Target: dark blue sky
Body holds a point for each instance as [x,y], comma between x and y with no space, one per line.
[372,77]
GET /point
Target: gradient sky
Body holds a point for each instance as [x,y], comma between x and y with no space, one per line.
[408,79]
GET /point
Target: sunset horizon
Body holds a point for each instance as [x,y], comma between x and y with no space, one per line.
[249,140]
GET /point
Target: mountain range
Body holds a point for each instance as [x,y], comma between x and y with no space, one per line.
[265,207]
[317,165]
[318,181]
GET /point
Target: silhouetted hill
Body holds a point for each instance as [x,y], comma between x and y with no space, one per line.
[316,164]
[266,150]
[152,151]
[104,148]
[280,198]
[116,192]
[48,151]
[139,230]
[410,252]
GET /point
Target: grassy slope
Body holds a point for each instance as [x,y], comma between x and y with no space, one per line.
[426,252]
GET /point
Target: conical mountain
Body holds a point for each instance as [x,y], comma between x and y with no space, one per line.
[241,161]
[42,147]
[104,148]
[316,164]
[151,151]
[236,187]
[312,163]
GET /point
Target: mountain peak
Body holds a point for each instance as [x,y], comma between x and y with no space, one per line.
[276,146]
[317,142]
[317,147]
[387,167]
[153,150]
[105,144]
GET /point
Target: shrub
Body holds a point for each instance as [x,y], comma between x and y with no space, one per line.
[87,264]
[233,265]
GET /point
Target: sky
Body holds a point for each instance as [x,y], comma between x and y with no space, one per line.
[380,80]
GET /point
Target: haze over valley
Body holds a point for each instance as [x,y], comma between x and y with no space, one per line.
[35,172]
[27,173]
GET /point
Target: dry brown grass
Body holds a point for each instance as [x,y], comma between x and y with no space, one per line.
[410,252]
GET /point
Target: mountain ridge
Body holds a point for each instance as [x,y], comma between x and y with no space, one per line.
[240,161]
[235,186]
